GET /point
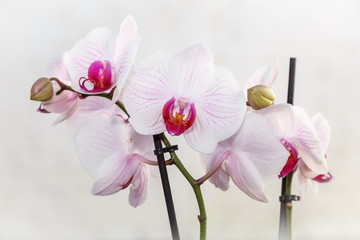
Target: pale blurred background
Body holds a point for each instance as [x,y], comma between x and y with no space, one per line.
[45,193]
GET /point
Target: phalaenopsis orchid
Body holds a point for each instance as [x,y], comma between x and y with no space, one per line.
[117,108]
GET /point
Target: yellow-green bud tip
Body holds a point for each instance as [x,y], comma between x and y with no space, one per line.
[42,90]
[260,97]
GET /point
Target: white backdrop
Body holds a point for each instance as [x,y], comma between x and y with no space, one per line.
[45,193]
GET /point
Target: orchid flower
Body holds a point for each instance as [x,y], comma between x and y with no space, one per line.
[294,129]
[252,157]
[322,128]
[95,64]
[115,156]
[185,94]
[102,60]
[72,108]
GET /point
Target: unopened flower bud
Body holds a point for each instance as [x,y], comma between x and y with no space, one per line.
[260,97]
[42,90]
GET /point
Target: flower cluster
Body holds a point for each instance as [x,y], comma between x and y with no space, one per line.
[116,108]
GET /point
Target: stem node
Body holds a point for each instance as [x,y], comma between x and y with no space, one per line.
[201,219]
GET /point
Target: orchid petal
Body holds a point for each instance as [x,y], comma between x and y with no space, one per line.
[245,176]
[127,43]
[140,144]
[185,69]
[127,34]
[303,184]
[257,158]
[308,144]
[146,93]
[323,130]
[315,186]
[262,77]
[306,171]
[138,190]
[98,140]
[58,68]
[113,175]
[281,119]
[220,108]
[220,178]
[98,45]
[221,102]
[103,154]
[274,76]
[62,102]
[66,115]
[311,159]
[305,174]
[259,77]
[91,106]
[103,148]
[200,135]
[124,64]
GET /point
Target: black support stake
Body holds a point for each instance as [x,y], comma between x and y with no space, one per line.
[291,86]
[159,152]
[286,198]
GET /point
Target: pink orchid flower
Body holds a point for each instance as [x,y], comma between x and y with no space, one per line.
[252,157]
[323,129]
[102,60]
[294,129]
[115,156]
[185,94]
[72,108]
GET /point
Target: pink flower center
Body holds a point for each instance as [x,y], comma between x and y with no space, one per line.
[292,160]
[179,115]
[99,77]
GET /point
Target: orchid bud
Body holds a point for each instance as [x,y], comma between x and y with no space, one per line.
[260,97]
[42,90]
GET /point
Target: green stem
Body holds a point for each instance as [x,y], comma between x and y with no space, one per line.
[285,231]
[289,206]
[196,188]
[122,107]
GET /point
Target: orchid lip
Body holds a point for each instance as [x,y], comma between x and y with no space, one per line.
[42,109]
[292,160]
[322,178]
[99,77]
[179,115]
[127,183]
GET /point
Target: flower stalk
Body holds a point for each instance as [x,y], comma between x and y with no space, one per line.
[196,188]
[286,209]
